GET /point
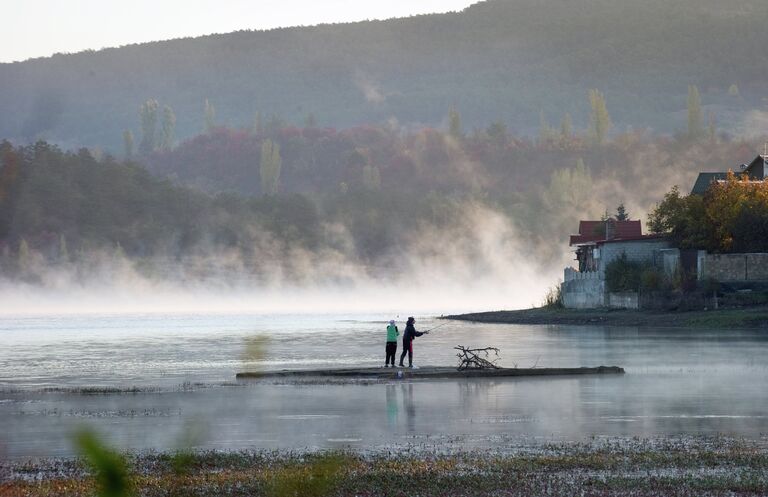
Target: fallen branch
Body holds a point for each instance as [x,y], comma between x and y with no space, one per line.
[476,358]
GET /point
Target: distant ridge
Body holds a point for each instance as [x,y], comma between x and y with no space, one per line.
[509,60]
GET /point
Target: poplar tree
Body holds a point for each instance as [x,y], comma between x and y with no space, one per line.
[694,113]
[270,166]
[599,120]
[168,128]
[148,113]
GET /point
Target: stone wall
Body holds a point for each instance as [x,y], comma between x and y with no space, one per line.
[734,267]
[583,290]
[623,300]
[636,250]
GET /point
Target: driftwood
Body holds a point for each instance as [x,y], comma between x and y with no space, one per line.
[476,358]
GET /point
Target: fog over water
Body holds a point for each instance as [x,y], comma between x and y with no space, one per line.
[677,383]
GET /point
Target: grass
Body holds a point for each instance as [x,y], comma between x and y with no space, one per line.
[635,468]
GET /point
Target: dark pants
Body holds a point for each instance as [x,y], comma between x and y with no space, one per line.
[407,349]
[391,351]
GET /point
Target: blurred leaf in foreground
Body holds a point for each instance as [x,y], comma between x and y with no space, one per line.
[109,467]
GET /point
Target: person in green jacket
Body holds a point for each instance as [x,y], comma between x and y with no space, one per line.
[392,334]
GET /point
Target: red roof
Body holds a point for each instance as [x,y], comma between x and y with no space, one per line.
[599,231]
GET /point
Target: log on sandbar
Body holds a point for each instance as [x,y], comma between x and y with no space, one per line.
[427,372]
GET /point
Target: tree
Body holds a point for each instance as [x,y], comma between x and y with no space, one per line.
[310,121]
[621,213]
[497,132]
[733,90]
[148,113]
[24,257]
[695,129]
[168,128]
[683,218]
[209,112]
[599,120]
[127,145]
[63,251]
[454,123]
[271,164]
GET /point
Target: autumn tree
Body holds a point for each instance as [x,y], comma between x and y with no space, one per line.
[599,120]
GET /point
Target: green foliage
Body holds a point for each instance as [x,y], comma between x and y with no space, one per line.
[695,128]
[682,218]
[623,275]
[731,217]
[109,467]
[621,213]
[599,120]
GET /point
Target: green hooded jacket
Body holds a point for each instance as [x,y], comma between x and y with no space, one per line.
[392,333]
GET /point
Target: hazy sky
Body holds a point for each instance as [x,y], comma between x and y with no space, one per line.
[34,28]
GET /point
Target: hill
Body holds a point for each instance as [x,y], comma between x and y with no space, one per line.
[507,60]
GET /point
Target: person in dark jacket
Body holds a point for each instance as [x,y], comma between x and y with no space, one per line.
[408,335]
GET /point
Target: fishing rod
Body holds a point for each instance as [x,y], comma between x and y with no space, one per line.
[436,327]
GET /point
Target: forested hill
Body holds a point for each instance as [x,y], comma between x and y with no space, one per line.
[507,60]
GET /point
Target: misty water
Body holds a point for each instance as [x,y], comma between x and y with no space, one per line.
[677,382]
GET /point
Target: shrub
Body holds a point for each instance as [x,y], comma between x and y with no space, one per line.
[623,275]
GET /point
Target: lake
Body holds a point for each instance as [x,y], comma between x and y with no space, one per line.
[677,382]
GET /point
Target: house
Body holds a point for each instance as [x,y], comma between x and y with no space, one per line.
[597,244]
[755,171]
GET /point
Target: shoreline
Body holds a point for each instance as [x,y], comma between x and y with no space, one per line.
[754,317]
[686,465]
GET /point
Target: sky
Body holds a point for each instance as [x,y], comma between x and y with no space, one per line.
[39,28]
